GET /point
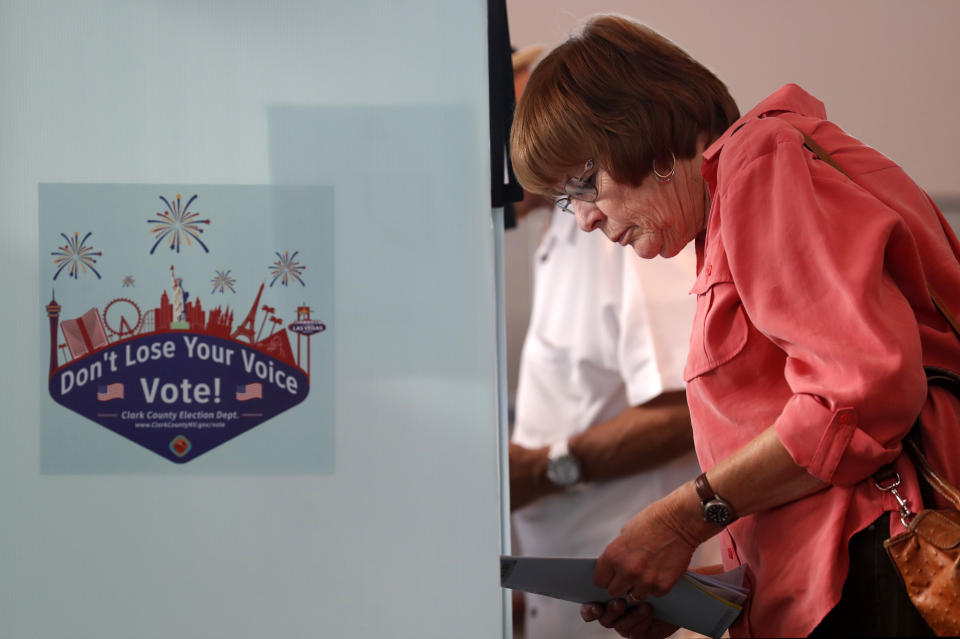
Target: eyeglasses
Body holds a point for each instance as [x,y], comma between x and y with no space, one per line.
[578,188]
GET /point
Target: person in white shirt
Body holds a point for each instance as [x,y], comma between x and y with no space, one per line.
[602,428]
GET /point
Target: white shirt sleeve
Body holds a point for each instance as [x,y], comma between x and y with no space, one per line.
[656,315]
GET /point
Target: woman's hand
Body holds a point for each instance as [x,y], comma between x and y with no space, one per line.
[654,548]
[635,623]
[647,559]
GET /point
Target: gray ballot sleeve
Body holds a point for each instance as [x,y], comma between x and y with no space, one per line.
[701,603]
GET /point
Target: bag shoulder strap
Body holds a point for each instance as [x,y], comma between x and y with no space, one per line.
[950,381]
[938,302]
[820,152]
[935,479]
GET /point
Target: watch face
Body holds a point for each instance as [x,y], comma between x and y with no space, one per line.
[717,512]
[563,471]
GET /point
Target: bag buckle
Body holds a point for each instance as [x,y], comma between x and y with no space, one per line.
[888,484]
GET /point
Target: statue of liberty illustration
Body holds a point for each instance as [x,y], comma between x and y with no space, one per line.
[179,303]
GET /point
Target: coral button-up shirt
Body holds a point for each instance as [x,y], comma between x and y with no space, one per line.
[813,316]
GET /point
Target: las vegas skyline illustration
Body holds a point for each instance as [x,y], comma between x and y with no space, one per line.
[90,332]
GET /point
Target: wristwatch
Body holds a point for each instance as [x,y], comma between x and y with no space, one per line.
[563,469]
[716,509]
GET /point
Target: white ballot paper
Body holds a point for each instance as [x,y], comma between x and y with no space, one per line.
[702,603]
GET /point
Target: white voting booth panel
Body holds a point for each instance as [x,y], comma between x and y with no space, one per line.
[282,419]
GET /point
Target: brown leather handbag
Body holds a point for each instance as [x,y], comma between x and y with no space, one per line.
[927,555]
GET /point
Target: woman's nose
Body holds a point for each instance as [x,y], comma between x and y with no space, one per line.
[589,217]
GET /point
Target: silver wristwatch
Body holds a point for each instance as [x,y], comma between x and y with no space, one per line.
[563,469]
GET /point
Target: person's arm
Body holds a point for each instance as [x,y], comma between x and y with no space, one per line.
[639,438]
[654,548]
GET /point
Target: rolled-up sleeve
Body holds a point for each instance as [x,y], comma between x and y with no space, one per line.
[808,250]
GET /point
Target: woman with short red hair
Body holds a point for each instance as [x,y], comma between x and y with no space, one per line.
[813,326]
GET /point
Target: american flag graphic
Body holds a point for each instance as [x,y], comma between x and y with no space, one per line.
[111,391]
[249,391]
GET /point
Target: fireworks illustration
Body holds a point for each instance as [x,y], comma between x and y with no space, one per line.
[128,281]
[177,225]
[75,256]
[222,281]
[286,268]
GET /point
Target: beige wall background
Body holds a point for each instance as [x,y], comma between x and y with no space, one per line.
[886,70]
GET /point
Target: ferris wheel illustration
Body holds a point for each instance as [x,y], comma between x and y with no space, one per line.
[124,311]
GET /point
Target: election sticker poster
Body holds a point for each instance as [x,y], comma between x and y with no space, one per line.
[187,328]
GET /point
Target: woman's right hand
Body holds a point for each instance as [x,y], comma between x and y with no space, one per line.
[634,623]
[652,552]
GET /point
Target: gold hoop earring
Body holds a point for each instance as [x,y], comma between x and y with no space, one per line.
[665,177]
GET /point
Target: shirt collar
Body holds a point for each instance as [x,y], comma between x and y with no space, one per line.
[789,97]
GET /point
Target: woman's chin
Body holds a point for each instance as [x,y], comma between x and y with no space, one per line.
[672,249]
[646,249]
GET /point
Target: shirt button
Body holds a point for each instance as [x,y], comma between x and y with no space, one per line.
[709,270]
[730,553]
[845,418]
